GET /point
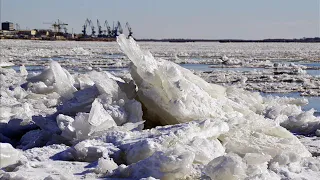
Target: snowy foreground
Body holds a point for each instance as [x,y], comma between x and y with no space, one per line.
[158,122]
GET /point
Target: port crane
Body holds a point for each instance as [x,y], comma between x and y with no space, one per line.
[100,31]
[109,31]
[119,27]
[17,26]
[116,29]
[129,29]
[86,24]
[84,30]
[57,26]
[93,32]
[65,30]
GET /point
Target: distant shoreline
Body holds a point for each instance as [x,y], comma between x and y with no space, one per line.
[302,40]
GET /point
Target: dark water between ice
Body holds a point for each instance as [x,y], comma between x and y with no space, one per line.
[113,56]
[29,68]
[314,102]
[206,67]
[209,67]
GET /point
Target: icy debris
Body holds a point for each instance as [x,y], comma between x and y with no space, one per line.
[63,81]
[253,100]
[45,153]
[204,149]
[256,158]
[232,166]
[8,155]
[55,78]
[289,79]
[229,166]
[46,76]
[92,150]
[98,120]
[105,166]
[109,106]
[254,134]
[286,158]
[187,136]
[149,178]
[312,144]
[99,117]
[171,93]
[173,164]
[84,81]
[23,71]
[290,166]
[114,100]
[106,84]
[303,123]
[288,113]
[40,88]
[223,133]
[81,101]
[5,64]
[19,93]
[80,51]
[55,169]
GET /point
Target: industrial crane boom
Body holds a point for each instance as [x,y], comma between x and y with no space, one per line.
[129,29]
[99,28]
[17,26]
[57,26]
[92,27]
[119,27]
[106,24]
[86,23]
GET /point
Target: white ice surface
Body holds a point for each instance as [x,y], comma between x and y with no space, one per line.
[210,130]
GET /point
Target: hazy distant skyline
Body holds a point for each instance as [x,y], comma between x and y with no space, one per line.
[207,19]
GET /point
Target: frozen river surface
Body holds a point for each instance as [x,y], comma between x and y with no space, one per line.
[88,110]
[297,64]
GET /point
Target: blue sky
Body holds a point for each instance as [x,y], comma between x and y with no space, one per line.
[214,19]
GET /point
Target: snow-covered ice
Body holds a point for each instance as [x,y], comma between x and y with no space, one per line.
[157,120]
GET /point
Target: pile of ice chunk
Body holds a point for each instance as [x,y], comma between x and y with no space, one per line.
[207,131]
[8,155]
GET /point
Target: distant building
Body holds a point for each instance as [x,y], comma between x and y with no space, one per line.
[41,33]
[24,34]
[8,26]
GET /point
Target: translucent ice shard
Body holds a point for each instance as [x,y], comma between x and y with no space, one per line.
[8,155]
[175,164]
[56,78]
[99,118]
[229,167]
[63,81]
[172,94]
